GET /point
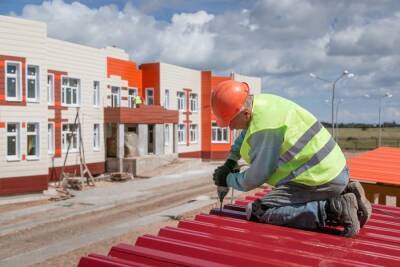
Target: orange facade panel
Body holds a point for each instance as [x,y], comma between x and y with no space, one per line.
[151,79]
[125,69]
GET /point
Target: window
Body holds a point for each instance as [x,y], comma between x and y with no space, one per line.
[193,133]
[132,92]
[13,81]
[96,136]
[50,138]
[166,98]
[194,106]
[32,140]
[32,83]
[70,91]
[96,93]
[115,97]
[50,89]
[181,100]
[13,144]
[181,134]
[149,96]
[69,136]
[219,135]
[166,134]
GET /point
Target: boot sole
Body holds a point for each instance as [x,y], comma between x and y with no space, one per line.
[364,206]
[352,207]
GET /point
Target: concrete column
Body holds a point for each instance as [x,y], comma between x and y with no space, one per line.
[143,137]
[120,146]
[174,138]
[159,139]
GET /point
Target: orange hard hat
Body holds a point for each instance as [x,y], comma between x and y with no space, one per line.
[227,99]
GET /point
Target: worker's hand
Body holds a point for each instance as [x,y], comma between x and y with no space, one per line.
[231,164]
[220,175]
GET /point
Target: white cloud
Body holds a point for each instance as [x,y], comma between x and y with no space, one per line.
[280,41]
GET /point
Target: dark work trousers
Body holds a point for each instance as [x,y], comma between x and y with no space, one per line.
[301,206]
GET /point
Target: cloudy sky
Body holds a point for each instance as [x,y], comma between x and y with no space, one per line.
[279,41]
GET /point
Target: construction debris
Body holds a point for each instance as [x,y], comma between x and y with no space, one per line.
[121,176]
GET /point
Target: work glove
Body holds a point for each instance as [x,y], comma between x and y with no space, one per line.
[220,175]
[231,164]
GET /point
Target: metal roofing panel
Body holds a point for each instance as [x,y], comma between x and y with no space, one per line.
[216,240]
[379,165]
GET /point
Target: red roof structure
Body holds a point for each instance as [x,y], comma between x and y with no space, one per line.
[228,239]
[381,165]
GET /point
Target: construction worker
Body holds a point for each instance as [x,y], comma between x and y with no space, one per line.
[288,148]
[138,101]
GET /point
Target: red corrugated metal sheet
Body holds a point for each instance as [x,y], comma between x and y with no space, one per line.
[214,240]
[379,165]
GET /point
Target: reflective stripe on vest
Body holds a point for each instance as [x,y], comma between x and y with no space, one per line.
[308,153]
[299,145]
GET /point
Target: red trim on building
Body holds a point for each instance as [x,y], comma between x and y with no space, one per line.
[187,113]
[3,101]
[37,183]
[214,155]
[2,125]
[57,110]
[24,184]
[95,168]
[127,70]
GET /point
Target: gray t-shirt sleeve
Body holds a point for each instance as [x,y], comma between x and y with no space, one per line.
[235,148]
[264,155]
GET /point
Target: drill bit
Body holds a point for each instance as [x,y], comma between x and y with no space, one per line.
[222,191]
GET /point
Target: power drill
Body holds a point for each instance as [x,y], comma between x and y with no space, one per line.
[222,191]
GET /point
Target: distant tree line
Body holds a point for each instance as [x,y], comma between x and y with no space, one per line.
[362,125]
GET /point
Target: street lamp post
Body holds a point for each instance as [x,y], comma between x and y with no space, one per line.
[381,97]
[341,100]
[333,83]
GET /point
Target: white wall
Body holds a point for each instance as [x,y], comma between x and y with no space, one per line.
[24,38]
[253,82]
[176,78]
[89,65]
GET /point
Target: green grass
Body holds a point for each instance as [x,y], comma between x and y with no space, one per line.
[365,139]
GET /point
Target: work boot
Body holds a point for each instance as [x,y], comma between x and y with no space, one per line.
[364,206]
[343,211]
[254,211]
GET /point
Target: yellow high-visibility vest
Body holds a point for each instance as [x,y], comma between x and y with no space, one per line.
[308,155]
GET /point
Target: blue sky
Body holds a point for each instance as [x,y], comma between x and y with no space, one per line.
[279,41]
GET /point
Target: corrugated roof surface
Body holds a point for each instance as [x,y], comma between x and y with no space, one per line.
[214,240]
[379,165]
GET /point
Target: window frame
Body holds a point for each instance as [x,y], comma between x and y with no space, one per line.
[131,98]
[183,130]
[50,100]
[166,98]
[64,148]
[63,92]
[221,130]
[147,96]
[36,133]
[17,134]
[166,134]
[195,133]
[18,79]
[117,95]
[181,100]
[96,137]
[51,139]
[96,94]
[37,81]
[194,102]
